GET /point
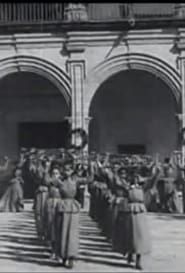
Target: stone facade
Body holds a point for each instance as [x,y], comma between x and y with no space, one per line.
[79,62]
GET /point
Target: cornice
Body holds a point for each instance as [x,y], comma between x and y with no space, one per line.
[78,41]
[107,38]
[31,40]
[140,23]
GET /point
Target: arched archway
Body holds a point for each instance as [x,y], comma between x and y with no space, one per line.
[32,114]
[137,61]
[134,111]
[39,66]
[25,79]
[35,98]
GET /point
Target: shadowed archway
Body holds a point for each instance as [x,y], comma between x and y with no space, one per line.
[134,108]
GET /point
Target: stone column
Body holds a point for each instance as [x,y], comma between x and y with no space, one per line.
[86,128]
[182,72]
[76,71]
[75,12]
[179,11]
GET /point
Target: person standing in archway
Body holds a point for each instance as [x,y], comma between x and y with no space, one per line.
[167,188]
[67,218]
[53,197]
[137,239]
[12,200]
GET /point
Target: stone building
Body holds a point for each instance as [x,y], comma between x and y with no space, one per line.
[115,70]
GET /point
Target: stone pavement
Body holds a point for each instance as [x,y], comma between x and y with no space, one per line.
[21,251]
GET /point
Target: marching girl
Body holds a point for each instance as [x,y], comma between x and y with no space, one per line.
[67,218]
[137,240]
[50,210]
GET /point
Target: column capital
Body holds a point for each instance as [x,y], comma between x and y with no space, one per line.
[69,119]
[88,119]
[75,12]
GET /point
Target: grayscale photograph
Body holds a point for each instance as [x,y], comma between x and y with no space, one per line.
[92,137]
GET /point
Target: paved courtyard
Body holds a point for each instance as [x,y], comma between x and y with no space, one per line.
[21,251]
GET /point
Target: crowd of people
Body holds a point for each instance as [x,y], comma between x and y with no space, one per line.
[121,188]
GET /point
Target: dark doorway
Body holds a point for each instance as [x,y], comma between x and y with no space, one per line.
[41,135]
[44,134]
[132,149]
[135,116]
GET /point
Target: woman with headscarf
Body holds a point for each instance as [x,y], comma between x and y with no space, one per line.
[67,218]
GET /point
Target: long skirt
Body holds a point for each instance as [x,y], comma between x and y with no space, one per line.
[51,204]
[120,233]
[80,195]
[40,213]
[113,224]
[12,200]
[108,220]
[119,226]
[135,233]
[152,200]
[67,232]
[174,202]
[91,189]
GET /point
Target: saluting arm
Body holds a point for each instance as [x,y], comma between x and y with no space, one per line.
[91,173]
[47,178]
[122,183]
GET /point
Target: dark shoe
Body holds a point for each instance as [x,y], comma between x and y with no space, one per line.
[64,262]
[139,267]
[138,262]
[71,263]
[130,258]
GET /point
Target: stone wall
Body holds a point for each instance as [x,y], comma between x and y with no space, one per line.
[84,51]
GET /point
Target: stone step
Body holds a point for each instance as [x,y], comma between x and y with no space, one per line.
[20,248]
[19,242]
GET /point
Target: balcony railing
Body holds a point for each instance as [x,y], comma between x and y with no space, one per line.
[29,14]
[15,13]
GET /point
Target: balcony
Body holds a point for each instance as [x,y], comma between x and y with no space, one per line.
[22,17]
[30,13]
[20,13]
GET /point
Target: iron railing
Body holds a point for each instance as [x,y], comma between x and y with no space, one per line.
[32,13]
[23,13]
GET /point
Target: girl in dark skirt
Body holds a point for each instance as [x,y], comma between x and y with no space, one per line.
[40,199]
[137,240]
[67,219]
[120,203]
[51,203]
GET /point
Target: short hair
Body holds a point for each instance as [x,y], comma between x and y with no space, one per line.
[17,168]
[167,160]
[122,168]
